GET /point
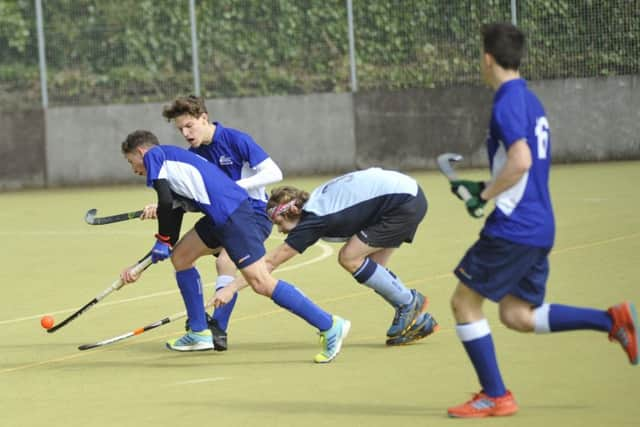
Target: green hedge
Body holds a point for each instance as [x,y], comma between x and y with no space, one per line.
[133,51]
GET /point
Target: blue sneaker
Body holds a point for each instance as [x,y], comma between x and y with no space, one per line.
[331,340]
[192,341]
[424,326]
[406,315]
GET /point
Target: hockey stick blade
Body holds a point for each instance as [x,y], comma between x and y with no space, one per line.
[91,218]
[445,164]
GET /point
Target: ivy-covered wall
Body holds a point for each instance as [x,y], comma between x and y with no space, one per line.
[132,51]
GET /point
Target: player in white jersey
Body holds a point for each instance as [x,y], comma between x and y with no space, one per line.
[241,159]
[374,211]
[509,263]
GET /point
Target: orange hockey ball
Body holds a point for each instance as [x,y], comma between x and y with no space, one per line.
[47,322]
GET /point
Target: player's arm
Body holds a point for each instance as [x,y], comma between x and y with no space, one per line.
[267,172]
[278,256]
[517,164]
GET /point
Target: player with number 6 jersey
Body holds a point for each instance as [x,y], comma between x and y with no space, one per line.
[509,263]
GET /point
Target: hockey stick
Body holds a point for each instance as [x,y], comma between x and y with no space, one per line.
[91,219]
[138,331]
[445,163]
[135,332]
[114,286]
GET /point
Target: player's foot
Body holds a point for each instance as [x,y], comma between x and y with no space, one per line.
[407,314]
[331,340]
[192,341]
[625,329]
[481,406]
[219,336]
[424,326]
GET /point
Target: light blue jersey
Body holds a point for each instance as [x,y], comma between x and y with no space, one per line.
[523,213]
[237,154]
[194,178]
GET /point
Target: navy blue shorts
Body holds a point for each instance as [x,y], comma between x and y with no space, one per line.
[495,267]
[398,225]
[242,236]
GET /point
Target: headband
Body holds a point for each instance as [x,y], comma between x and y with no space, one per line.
[280,209]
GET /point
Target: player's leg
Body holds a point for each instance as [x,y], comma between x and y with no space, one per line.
[488,270]
[226,272]
[219,322]
[516,312]
[332,329]
[243,243]
[184,255]
[366,264]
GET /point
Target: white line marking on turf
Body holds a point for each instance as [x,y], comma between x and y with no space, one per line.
[201,380]
[327,251]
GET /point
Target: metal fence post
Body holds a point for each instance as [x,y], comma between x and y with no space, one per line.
[514,12]
[41,57]
[352,48]
[194,48]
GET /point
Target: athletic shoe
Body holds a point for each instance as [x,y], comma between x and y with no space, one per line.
[219,336]
[481,406]
[407,314]
[625,329]
[192,341]
[419,330]
[331,340]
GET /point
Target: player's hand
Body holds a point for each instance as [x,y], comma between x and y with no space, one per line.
[475,206]
[473,187]
[161,250]
[149,212]
[128,276]
[223,296]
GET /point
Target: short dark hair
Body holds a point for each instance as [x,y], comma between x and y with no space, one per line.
[505,42]
[137,139]
[191,105]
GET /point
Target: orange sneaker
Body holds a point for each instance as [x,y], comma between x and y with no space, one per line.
[624,329]
[481,406]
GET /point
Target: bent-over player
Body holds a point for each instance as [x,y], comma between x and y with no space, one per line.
[374,211]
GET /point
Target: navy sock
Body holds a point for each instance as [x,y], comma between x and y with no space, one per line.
[477,341]
[384,282]
[568,318]
[191,290]
[289,297]
[222,314]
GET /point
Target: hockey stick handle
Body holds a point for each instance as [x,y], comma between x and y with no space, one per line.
[114,286]
[91,218]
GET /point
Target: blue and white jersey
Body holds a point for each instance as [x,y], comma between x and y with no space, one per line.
[194,178]
[237,154]
[523,213]
[340,208]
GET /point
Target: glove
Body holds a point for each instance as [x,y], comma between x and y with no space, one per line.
[474,187]
[161,250]
[475,206]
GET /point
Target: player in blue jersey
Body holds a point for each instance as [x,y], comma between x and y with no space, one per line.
[509,263]
[245,162]
[374,211]
[229,222]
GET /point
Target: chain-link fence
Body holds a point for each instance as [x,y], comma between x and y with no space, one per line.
[134,51]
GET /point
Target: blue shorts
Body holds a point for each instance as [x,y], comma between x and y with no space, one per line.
[242,236]
[495,267]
